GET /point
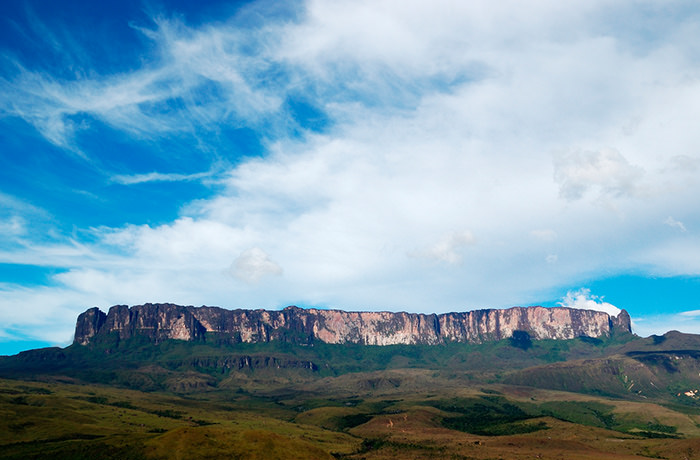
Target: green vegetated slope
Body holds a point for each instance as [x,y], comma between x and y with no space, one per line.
[138,363]
[659,367]
[587,398]
[58,420]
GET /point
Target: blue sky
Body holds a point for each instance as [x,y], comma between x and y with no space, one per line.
[362,155]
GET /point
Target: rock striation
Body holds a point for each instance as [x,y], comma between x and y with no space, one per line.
[159,322]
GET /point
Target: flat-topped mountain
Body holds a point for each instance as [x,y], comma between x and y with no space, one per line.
[167,321]
[152,375]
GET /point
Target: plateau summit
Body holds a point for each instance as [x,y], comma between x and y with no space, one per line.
[160,322]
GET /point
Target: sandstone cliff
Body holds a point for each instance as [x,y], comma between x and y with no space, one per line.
[160,322]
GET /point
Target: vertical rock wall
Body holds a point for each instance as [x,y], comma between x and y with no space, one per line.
[167,321]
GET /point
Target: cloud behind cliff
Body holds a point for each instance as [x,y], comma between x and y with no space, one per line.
[584,300]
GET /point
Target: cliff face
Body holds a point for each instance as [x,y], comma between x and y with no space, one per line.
[167,321]
[156,321]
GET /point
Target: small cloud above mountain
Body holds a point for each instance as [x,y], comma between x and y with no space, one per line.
[253,264]
[448,249]
[584,300]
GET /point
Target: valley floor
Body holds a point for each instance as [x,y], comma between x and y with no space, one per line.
[397,414]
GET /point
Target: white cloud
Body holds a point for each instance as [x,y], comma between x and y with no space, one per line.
[131,179]
[671,222]
[449,249]
[9,203]
[584,300]
[186,243]
[140,102]
[606,170]
[17,217]
[254,264]
[443,116]
[13,226]
[43,314]
[674,256]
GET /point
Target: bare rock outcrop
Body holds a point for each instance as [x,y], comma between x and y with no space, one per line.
[160,322]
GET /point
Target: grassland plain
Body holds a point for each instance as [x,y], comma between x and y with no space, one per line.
[134,400]
[55,419]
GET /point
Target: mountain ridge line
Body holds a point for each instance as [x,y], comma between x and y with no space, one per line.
[163,321]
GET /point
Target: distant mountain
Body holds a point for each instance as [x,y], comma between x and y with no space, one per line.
[159,322]
[657,367]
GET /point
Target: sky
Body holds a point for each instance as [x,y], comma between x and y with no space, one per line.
[362,155]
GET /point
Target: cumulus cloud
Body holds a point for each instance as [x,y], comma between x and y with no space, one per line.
[605,170]
[254,264]
[584,300]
